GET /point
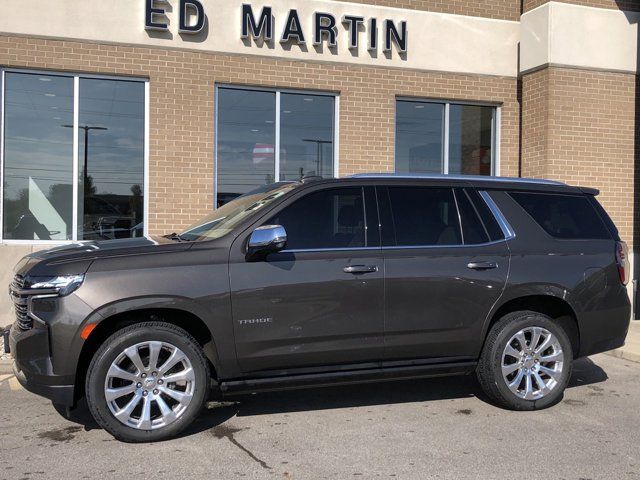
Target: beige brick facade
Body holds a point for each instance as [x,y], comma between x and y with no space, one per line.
[627,5]
[181,170]
[578,126]
[501,9]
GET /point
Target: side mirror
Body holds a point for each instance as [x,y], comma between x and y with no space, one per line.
[265,240]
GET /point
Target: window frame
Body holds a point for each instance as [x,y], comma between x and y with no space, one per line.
[447,103]
[278,92]
[383,198]
[563,194]
[365,217]
[76,155]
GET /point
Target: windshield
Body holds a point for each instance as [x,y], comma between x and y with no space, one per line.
[224,219]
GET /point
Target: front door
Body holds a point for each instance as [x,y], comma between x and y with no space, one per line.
[320,302]
[444,271]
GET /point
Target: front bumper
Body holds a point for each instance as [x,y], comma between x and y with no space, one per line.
[33,368]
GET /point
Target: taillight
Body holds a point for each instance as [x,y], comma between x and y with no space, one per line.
[622,260]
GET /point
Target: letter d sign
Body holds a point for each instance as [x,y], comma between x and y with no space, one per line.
[196,8]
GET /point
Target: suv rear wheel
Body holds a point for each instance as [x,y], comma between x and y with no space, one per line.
[147,382]
[526,361]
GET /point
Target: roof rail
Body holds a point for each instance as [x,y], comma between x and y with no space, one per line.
[311,178]
[441,176]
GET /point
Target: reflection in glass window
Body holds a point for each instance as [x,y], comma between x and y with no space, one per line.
[424,216]
[439,137]
[419,137]
[246,141]
[470,135]
[38,185]
[325,219]
[306,136]
[247,122]
[38,169]
[111,159]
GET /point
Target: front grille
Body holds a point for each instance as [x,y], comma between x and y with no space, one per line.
[18,282]
[23,321]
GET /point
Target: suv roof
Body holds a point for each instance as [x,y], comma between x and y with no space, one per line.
[486,182]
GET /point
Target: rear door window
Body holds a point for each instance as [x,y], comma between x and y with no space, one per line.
[563,216]
[424,216]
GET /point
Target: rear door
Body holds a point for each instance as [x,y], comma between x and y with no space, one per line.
[319,303]
[444,269]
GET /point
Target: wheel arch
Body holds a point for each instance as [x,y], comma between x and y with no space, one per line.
[555,307]
[109,320]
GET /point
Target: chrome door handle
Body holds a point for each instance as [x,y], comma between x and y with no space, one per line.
[357,269]
[482,265]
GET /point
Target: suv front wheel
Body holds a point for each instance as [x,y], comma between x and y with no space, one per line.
[147,382]
[526,361]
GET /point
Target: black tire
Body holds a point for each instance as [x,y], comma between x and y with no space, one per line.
[489,370]
[113,347]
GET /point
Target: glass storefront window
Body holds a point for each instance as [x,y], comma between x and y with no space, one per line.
[38,163]
[470,139]
[38,171]
[419,137]
[246,141]
[249,151]
[111,159]
[306,136]
[444,137]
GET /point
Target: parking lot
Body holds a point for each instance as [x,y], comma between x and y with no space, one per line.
[434,428]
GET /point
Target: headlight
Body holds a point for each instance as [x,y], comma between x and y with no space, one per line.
[65,284]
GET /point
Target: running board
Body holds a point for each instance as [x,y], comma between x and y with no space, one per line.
[345,377]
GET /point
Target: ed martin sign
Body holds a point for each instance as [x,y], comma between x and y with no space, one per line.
[263,25]
[326,31]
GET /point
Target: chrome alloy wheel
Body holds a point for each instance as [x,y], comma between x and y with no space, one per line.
[532,363]
[149,385]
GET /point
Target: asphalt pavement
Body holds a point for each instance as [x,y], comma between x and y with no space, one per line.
[436,428]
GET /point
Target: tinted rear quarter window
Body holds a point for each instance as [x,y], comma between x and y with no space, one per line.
[472,227]
[488,219]
[562,215]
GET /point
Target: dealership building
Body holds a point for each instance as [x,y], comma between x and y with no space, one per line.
[133,117]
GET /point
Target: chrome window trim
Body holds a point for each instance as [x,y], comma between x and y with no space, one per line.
[414,247]
[502,221]
[455,201]
[344,249]
[393,247]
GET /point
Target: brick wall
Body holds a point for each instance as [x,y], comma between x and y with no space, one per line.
[535,124]
[579,127]
[182,109]
[627,5]
[502,9]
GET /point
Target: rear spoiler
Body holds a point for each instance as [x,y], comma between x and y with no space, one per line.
[589,191]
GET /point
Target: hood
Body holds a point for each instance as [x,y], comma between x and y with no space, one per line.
[76,258]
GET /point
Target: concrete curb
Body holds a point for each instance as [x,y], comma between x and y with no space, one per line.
[6,367]
[625,355]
